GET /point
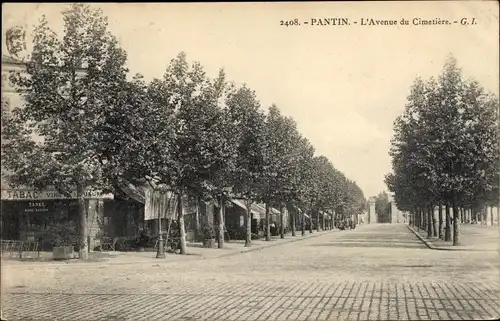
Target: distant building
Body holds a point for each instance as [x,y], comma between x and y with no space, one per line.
[372,215]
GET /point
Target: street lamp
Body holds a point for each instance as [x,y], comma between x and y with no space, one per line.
[160,253]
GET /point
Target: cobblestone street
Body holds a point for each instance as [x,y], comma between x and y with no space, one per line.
[377,272]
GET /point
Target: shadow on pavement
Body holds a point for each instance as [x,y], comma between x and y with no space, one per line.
[373,244]
[350,240]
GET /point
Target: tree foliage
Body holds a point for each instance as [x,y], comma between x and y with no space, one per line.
[69,84]
[83,125]
[382,208]
[445,145]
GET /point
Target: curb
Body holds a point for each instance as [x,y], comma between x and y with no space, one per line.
[101,264]
[437,248]
[427,243]
[301,238]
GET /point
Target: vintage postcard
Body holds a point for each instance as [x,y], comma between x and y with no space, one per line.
[250,161]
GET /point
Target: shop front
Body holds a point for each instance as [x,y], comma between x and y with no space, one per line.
[32,216]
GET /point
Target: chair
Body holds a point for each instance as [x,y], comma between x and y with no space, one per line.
[108,244]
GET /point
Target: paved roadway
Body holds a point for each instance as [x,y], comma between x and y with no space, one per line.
[380,272]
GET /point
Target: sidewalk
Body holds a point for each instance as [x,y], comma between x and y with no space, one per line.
[472,238]
[195,251]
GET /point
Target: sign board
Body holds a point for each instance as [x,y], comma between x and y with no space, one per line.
[159,204]
[36,207]
[30,194]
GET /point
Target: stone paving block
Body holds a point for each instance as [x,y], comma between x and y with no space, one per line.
[313,281]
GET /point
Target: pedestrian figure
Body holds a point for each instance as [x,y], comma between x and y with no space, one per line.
[272,228]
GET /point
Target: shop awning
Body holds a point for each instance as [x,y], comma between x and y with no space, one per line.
[137,193]
[241,204]
[294,207]
[272,210]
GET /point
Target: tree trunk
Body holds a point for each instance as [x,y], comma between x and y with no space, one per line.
[491,215]
[82,222]
[422,218]
[317,221]
[248,224]
[440,221]
[292,218]
[197,225]
[282,223]
[323,227]
[268,224]
[220,226]
[456,222]
[311,221]
[182,230]
[434,227]
[303,224]
[447,227]
[429,221]
[426,215]
[462,215]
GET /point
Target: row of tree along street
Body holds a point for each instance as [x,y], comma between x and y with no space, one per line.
[445,151]
[184,133]
[383,208]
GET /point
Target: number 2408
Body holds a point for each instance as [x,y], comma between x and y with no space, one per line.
[287,23]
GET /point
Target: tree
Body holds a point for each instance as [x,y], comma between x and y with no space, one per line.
[211,147]
[69,84]
[200,152]
[327,189]
[445,147]
[279,159]
[382,208]
[303,177]
[355,200]
[248,121]
[137,138]
[290,160]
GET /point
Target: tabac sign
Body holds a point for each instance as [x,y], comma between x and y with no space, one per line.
[30,194]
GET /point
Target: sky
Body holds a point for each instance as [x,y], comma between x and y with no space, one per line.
[343,85]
